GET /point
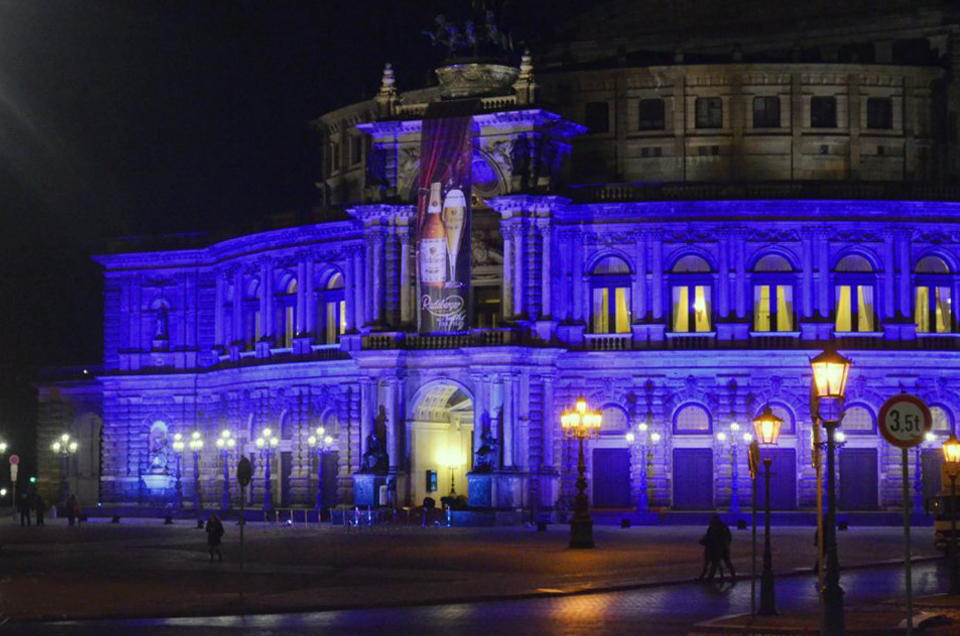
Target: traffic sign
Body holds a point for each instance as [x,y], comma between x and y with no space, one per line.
[14,459]
[905,420]
[244,472]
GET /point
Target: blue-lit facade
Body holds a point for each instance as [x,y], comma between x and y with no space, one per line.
[666,255]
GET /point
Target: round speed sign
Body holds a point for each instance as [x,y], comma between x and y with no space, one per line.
[905,420]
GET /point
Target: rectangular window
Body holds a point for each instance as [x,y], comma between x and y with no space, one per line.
[597,119]
[356,150]
[864,308]
[331,323]
[933,313]
[622,309]
[486,305]
[709,112]
[611,310]
[691,308]
[343,317]
[844,314]
[773,308]
[652,114]
[880,113]
[335,154]
[766,112]
[823,112]
[681,314]
[784,308]
[761,312]
[288,323]
[601,322]
[921,310]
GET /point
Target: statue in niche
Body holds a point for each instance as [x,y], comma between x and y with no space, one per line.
[160,323]
[375,458]
[485,457]
[159,450]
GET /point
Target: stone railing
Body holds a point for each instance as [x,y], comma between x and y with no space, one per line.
[608,341]
[487,104]
[474,338]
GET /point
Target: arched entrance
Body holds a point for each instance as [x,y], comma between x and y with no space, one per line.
[440,425]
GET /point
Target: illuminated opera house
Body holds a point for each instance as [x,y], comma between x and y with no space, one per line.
[668,221]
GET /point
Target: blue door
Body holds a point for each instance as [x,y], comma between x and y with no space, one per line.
[783,479]
[858,479]
[611,478]
[693,479]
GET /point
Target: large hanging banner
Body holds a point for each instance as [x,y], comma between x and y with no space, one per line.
[443,245]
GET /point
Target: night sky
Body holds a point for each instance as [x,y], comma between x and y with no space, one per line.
[133,117]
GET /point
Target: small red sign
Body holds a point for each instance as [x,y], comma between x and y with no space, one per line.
[14,459]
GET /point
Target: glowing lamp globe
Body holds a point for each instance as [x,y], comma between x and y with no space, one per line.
[655,437]
[840,437]
[630,437]
[767,427]
[830,371]
[951,452]
[930,437]
[72,447]
[642,427]
[721,436]
[328,440]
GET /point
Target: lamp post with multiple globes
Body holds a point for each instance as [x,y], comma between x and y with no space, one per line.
[581,424]
[918,504]
[266,445]
[734,438]
[643,497]
[319,444]
[767,427]
[64,447]
[226,444]
[830,371]
[951,452]
[178,446]
[196,447]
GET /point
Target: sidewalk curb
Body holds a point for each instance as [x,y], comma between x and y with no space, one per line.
[539,593]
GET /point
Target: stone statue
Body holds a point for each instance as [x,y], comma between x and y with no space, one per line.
[485,459]
[158,452]
[375,458]
[160,323]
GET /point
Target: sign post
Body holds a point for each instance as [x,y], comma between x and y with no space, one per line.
[244,475]
[904,422]
[14,467]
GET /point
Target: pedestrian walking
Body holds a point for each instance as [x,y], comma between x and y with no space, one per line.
[214,535]
[40,505]
[23,506]
[716,551]
[72,505]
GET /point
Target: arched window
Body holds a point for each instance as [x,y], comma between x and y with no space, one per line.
[690,287]
[933,309]
[610,291]
[287,308]
[773,295]
[333,314]
[942,421]
[692,419]
[615,420]
[858,419]
[789,426]
[855,295]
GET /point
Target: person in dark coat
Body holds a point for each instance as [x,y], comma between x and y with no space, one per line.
[40,505]
[716,550]
[214,535]
[72,505]
[23,506]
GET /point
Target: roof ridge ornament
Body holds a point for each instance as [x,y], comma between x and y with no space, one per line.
[387,98]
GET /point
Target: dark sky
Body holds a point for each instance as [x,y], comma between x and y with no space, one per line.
[126,117]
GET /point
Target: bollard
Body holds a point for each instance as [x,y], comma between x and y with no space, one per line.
[624,523]
[541,526]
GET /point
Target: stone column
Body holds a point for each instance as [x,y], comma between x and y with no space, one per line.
[638,296]
[823,266]
[546,278]
[218,315]
[359,276]
[394,418]
[238,327]
[508,263]
[480,408]
[578,258]
[657,271]
[547,430]
[369,292]
[889,268]
[310,297]
[266,306]
[368,397]
[739,248]
[807,258]
[906,299]
[379,288]
[300,314]
[723,284]
[519,247]
[500,409]
[405,306]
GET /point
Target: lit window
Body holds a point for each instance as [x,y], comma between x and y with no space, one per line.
[610,290]
[933,310]
[773,308]
[288,305]
[333,321]
[855,306]
[692,418]
[690,286]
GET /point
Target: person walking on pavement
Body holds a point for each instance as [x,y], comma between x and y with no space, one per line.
[41,507]
[23,506]
[716,549]
[214,534]
[72,506]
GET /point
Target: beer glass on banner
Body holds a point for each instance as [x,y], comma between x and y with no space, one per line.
[432,244]
[454,208]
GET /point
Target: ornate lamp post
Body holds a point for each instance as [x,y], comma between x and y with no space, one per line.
[178,447]
[830,370]
[319,444]
[196,446]
[951,452]
[918,503]
[767,426]
[643,498]
[64,447]
[226,444]
[581,424]
[733,438]
[266,444]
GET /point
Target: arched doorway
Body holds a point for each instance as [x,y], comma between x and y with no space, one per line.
[441,441]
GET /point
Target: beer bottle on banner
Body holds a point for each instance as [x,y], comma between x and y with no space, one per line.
[433,243]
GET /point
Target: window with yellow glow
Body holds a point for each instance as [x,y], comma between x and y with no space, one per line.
[289,304]
[933,310]
[333,314]
[691,308]
[773,308]
[610,296]
[855,308]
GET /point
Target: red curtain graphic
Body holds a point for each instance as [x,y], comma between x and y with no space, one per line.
[443,218]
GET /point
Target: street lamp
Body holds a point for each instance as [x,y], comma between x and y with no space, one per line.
[196,446]
[319,444]
[226,443]
[178,447]
[830,371]
[767,427]
[581,424]
[918,502]
[733,438]
[65,447]
[643,498]
[266,444]
[951,452]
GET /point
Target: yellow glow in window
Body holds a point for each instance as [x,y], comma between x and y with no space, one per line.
[343,317]
[623,310]
[784,308]
[844,315]
[601,322]
[681,309]
[864,308]
[921,311]
[761,311]
[701,308]
[944,310]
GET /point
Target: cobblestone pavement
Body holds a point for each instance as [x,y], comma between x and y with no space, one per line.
[147,569]
[659,611]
